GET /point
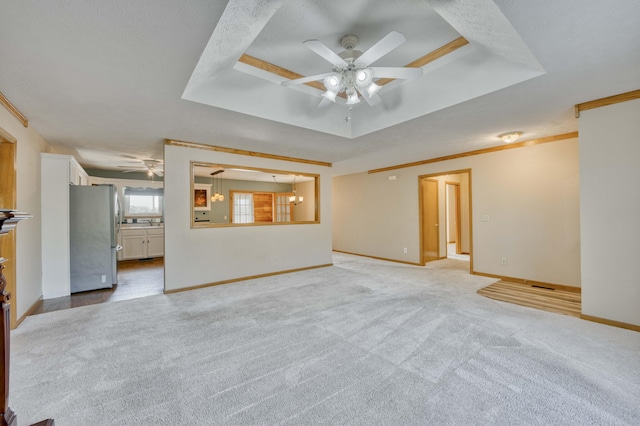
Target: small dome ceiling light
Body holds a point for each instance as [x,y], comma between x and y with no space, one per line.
[510,137]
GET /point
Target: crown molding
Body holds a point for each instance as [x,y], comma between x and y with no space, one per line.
[610,100]
[186,144]
[531,142]
[13,110]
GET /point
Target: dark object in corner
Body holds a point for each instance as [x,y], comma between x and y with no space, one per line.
[8,220]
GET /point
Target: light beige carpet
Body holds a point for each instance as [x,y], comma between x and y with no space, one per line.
[363,342]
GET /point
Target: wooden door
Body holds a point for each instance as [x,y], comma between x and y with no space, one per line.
[430,221]
[8,201]
[263,206]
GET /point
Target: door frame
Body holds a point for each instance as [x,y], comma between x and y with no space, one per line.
[421,210]
[8,191]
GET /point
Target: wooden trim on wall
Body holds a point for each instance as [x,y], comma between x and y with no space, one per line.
[234,280]
[523,144]
[531,282]
[13,110]
[196,145]
[613,323]
[378,258]
[610,100]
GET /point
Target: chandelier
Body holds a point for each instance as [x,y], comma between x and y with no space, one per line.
[217,196]
[293,198]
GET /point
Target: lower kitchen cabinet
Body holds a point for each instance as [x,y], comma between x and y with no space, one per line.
[155,242]
[142,243]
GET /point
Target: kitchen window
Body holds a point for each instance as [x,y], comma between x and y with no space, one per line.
[146,202]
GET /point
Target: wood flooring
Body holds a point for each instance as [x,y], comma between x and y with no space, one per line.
[136,278]
[546,299]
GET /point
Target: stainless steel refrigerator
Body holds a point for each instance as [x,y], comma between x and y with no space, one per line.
[94,225]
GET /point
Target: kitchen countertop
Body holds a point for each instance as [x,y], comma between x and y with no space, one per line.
[141,226]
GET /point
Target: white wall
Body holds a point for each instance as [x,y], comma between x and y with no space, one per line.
[609,208]
[28,233]
[531,195]
[205,255]
[56,267]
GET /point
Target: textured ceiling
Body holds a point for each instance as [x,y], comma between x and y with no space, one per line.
[105,81]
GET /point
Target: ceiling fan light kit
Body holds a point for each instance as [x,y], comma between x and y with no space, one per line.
[352,74]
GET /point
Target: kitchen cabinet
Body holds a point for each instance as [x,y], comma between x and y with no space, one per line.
[141,243]
[155,242]
[77,175]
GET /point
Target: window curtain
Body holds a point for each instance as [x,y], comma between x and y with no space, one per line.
[243,207]
[129,190]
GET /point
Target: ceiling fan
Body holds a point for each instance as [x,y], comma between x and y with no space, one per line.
[351,73]
[152,167]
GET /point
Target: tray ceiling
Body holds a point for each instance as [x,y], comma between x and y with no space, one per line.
[491,57]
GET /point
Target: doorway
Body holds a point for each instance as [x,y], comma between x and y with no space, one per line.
[8,200]
[445,216]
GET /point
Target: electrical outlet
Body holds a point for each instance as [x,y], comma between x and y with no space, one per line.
[104,278]
[406,251]
[503,261]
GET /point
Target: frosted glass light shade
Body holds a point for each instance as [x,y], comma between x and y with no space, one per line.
[510,137]
[330,95]
[352,98]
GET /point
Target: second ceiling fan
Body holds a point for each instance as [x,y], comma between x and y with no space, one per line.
[151,167]
[351,72]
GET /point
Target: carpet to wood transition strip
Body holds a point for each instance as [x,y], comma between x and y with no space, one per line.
[546,299]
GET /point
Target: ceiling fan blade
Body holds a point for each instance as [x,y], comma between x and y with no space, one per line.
[158,173]
[328,54]
[324,103]
[371,100]
[303,80]
[381,48]
[406,73]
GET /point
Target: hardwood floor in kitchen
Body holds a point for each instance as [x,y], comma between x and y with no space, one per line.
[136,278]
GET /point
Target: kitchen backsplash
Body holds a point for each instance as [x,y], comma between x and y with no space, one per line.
[142,220]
